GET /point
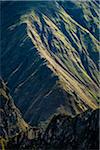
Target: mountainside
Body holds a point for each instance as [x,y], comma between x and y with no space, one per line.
[49,57]
[62,131]
[12,125]
[11,122]
[50,62]
[85,13]
[67,133]
[60,134]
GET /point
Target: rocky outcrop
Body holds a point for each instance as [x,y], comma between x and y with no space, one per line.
[67,133]
[14,131]
[11,121]
[63,133]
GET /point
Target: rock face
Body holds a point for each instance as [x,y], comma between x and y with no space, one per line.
[12,125]
[51,56]
[62,132]
[11,122]
[67,133]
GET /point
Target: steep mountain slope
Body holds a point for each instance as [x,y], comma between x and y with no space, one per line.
[11,122]
[66,133]
[85,13]
[62,131]
[12,125]
[51,60]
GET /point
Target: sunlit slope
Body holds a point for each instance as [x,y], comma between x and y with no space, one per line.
[51,61]
[61,55]
[85,13]
[35,88]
